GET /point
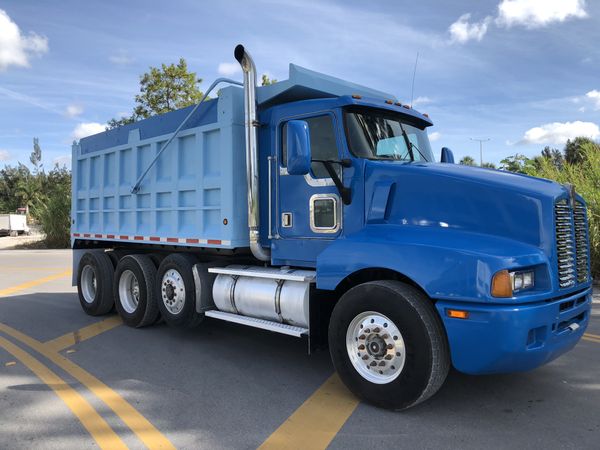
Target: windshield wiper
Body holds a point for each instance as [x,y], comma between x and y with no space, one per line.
[410,145]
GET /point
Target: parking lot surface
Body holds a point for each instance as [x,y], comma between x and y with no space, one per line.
[68,380]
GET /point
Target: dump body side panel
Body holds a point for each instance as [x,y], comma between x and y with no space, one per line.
[194,195]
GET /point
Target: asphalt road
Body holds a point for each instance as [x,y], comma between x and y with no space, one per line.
[68,380]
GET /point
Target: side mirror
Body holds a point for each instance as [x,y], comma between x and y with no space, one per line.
[298,147]
[447,156]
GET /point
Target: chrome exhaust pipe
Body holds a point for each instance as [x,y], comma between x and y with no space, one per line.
[251,124]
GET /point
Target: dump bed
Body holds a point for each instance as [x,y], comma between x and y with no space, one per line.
[195,194]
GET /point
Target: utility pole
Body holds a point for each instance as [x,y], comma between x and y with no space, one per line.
[481,141]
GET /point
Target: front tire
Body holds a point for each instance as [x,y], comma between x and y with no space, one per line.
[388,344]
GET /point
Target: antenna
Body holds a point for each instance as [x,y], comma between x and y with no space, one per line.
[412,89]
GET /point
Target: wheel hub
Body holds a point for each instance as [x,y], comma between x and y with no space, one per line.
[129,291]
[375,347]
[173,291]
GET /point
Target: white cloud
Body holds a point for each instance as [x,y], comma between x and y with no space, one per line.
[16,48]
[435,136]
[121,58]
[594,96]
[228,69]
[559,132]
[4,155]
[421,101]
[463,31]
[87,129]
[63,160]
[73,110]
[538,13]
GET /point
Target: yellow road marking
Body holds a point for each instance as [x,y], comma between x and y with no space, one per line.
[104,436]
[597,341]
[591,335]
[316,422]
[30,284]
[69,339]
[145,431]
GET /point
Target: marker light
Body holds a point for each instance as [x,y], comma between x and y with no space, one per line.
[457,314]
[502,284]
[389,102]
[356,96]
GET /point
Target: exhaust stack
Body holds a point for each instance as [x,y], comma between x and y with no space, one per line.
[251,123]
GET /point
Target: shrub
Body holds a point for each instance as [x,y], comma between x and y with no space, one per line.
[54,215]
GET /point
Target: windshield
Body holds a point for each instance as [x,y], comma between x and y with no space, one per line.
[381,134]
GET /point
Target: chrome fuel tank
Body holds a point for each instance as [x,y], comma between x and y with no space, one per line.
[279,295]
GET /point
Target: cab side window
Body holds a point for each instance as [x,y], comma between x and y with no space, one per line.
[322,143]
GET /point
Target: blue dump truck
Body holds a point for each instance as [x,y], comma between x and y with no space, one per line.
[314,208]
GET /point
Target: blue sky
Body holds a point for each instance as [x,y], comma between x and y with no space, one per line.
[523,73]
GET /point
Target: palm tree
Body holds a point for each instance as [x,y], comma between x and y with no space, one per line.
[467,161]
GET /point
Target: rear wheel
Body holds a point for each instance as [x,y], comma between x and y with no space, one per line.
[134,290]
[94,283]
[388,344]
[176,291]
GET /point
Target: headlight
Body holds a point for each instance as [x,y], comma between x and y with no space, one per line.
[521,280]
[505,283]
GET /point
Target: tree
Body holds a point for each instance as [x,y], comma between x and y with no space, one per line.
[36,156]
[489,165]
[518,163]
[574,153]
[554,156]
[467,161]
[163,89]
[266,81]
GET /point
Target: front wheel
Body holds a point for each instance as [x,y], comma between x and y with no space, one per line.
[388,344]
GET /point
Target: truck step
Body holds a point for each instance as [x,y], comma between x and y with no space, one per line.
[270,272]
[282,328]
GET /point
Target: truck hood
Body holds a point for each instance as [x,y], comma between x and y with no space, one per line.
[470,199]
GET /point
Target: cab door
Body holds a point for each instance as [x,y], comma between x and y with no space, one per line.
[309,207]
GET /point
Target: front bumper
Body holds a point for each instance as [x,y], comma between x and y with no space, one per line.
[506,338]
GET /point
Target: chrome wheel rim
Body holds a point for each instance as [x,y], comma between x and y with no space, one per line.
[375,347]
[173,291]
[88,284]
[129,291]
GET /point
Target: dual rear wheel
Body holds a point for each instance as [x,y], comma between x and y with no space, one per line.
[143,288]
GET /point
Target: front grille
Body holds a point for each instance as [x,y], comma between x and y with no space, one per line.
[565,247]
[571,243]
[581,241]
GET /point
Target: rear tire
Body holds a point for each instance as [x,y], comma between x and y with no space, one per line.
[134,291]
[176,291]
[94,283]
[388,344]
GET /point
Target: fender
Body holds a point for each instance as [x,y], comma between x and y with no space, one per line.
[446,263]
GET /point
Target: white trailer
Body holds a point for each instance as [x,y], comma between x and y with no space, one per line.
[13,224]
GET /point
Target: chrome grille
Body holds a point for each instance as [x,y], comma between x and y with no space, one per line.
[565,245]
[581,242]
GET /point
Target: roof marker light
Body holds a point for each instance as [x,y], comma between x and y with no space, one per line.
[398,104]
[389,102]
[426,115]
[356,96]
[406,106]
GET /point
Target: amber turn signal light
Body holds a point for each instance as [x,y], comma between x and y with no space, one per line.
[457,314]
[502,284]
